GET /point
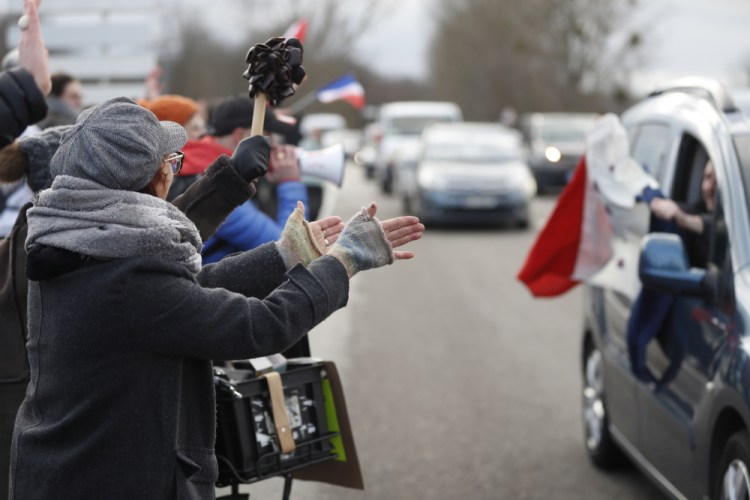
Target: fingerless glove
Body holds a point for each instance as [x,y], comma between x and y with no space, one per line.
[362,244]
[297,243]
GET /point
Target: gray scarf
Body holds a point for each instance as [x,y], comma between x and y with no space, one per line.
[87,218]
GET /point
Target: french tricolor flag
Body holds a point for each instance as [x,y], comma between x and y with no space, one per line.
[581,240]
[346,88]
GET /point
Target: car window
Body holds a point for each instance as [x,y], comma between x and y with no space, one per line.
[650,147]
[688,171]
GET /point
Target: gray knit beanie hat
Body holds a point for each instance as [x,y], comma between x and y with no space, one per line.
[118,144]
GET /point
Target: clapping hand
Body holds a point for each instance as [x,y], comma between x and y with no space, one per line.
[400,231]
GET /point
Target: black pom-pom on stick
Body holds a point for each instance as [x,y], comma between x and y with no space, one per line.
[274,67]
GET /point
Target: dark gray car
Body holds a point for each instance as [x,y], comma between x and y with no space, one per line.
[666,372]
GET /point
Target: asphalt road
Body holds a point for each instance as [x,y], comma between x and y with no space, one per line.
[459,384]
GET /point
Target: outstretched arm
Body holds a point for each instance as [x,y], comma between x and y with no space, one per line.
[32,54]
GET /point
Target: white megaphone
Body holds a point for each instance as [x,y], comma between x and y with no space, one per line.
[327,163]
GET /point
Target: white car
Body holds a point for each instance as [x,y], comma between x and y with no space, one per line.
[400,124]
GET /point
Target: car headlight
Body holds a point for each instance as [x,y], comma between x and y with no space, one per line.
[522,181]
[552,154]
[428,180]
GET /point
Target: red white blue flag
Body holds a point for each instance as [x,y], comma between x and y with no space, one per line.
[589,235]
[346,88]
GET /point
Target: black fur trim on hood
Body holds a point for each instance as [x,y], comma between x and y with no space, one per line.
[44,262]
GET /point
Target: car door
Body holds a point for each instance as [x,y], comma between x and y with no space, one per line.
[650,146]
[683,360]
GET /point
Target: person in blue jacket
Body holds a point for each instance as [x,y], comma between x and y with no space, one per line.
[248,226]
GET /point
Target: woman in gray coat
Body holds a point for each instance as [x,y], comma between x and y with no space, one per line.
[123,321]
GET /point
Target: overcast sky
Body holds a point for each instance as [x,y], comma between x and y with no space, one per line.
[685,37]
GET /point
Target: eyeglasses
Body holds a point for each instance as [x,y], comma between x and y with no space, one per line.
[175,159]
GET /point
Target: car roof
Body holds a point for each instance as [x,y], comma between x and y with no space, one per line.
[712,119]
[419,108]
[557,117]
[689,108]
[708,88]
[447,131]
[322,121]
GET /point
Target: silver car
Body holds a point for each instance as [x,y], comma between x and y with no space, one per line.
[472,173]
[666,366]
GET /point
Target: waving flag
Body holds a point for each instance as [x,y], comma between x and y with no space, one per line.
[589,234]
[550,264]
[297,30]
[346,88]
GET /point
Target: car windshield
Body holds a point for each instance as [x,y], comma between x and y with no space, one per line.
[573,131]
[472,152]
[413,125]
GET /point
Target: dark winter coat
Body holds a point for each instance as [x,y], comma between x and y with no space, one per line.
[21,104]
[206,203]
[121,401]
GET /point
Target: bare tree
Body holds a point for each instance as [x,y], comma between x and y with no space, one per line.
[531,55]
[202,63]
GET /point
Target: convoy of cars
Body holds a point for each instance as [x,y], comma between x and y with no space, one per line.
[683,416]
[484,178]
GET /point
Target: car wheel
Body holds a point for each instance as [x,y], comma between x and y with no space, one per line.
[600,446]
[733,478]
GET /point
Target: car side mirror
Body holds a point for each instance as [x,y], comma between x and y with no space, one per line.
[664,266]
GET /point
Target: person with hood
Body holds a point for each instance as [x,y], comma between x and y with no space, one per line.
[124,320]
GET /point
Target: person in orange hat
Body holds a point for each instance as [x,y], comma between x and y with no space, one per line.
[198,155]
[179,109]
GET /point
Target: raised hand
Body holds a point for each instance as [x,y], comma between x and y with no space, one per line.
[32,54]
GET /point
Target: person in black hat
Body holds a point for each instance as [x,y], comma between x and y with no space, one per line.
[248,226]
[124,321]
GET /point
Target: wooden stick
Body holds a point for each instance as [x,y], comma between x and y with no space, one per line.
[259,114]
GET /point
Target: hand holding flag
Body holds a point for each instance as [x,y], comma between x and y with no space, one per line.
[579,241]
